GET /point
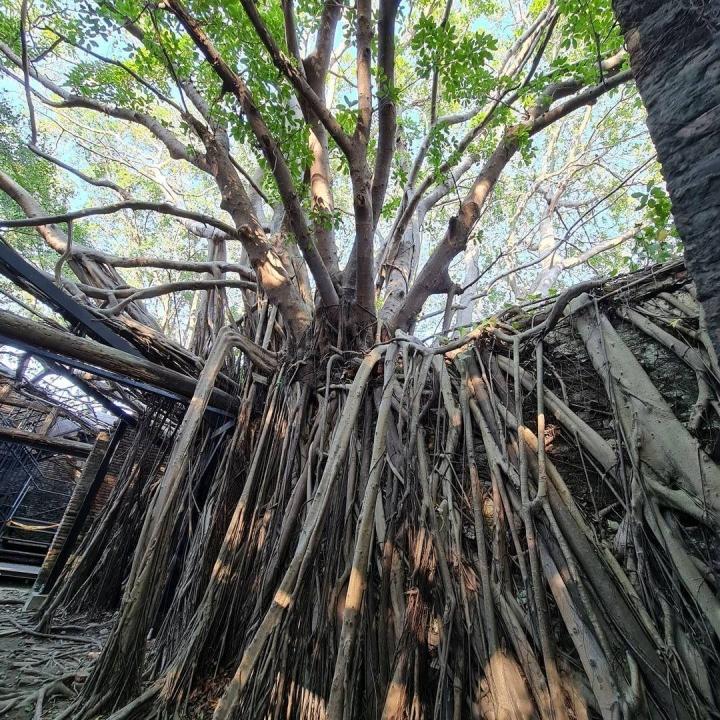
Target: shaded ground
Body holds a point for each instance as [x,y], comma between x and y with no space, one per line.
[39,674]
[56,664]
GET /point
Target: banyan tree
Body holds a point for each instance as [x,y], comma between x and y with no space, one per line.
[426,409]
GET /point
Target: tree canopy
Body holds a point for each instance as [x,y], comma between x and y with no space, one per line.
[420,164]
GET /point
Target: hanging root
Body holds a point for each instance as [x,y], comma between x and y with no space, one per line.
[526,530]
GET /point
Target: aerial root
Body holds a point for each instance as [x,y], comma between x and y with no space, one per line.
[402,546]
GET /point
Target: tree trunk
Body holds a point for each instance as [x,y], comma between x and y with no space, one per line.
[675,54]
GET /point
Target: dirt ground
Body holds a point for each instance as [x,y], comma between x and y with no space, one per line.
[40,674]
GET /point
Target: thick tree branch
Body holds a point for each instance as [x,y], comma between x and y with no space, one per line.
[319,59]
[141,261]
[413,198]
[291,36]
[97,182]
[278,278]
[87,270]
[387,112]
[296,76]
[130,295]
[358,273]
[435,83]
[116,63]
[316,67]
[162,208]
[26,71]
[363,69]
[396,270]
[513,64]
[276,160]
[177,149]
[433,276]
[598,249]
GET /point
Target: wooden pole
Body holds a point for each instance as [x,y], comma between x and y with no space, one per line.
[43,337]
[45,442]
[72,511]
[78,508]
